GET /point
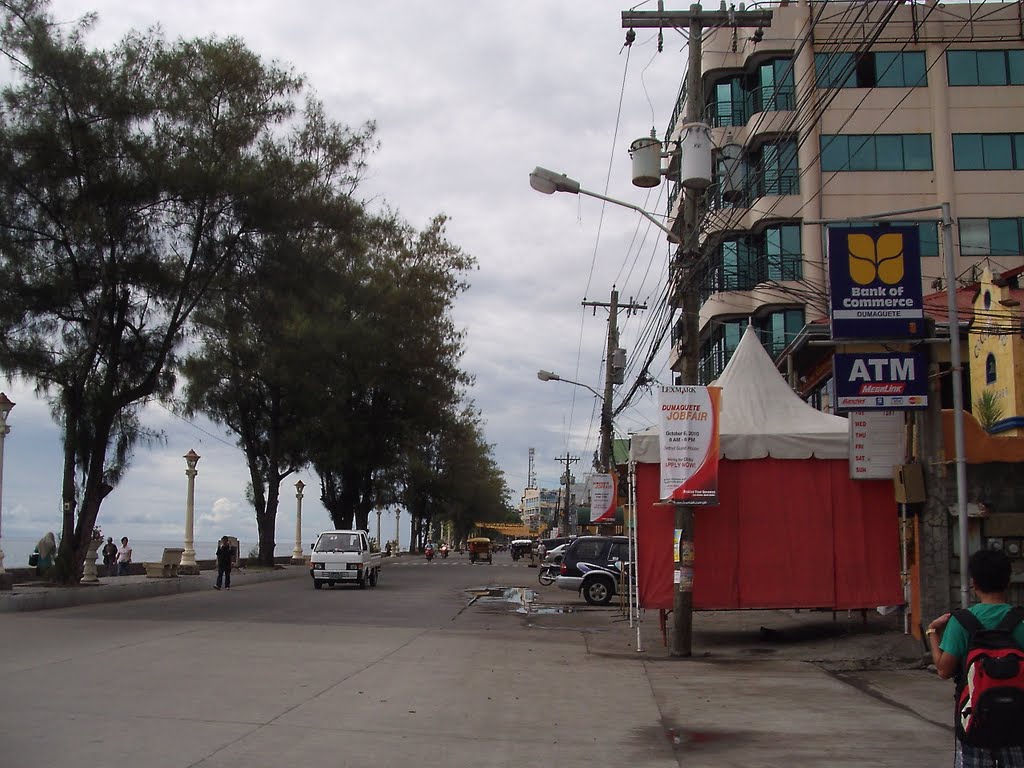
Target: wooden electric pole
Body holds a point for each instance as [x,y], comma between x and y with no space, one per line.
[696,19]
[566,460]
[605,458]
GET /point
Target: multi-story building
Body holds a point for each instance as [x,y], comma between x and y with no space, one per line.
[843,110]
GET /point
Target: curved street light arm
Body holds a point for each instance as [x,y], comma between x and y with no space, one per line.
[672,236]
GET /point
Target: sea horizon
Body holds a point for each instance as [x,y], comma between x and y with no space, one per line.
[18,548]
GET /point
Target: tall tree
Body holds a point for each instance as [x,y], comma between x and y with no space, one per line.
[395,369]
[121,176]
[258,368]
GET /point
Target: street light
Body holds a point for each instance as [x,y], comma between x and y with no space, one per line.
[188,557]
[5,409]
[606,416]
[549,182]
[297,552]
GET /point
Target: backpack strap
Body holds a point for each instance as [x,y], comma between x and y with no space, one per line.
[969,622]
[1013,617]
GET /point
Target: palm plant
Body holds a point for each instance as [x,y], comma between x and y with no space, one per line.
[987,409]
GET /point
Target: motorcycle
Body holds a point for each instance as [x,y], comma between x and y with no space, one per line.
[429,552]
[444,553]
[547,573]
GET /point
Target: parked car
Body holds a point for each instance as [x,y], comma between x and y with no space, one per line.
[592,566]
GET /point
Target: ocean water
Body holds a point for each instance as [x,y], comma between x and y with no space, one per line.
[17,549]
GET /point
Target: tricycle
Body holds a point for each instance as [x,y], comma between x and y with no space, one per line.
[479,549]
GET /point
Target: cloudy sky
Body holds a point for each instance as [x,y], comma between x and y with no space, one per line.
[468,97]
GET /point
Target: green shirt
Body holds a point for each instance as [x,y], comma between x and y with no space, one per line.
[954,638]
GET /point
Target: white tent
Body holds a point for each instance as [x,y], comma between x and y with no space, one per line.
[761,415]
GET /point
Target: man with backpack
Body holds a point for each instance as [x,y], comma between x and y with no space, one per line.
[983,649]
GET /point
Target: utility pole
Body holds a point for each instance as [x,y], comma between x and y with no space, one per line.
[689,252]
[612,373]
[567,460]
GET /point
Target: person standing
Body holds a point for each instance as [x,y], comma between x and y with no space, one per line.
[948,639]
[124,557]
[225,559]
[110,555]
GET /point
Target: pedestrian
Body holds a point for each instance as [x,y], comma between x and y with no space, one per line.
[110,555]
[225,559]
[124,557]
[46,548]
[949,641]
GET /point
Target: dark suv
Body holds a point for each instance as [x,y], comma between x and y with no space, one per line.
[592,565]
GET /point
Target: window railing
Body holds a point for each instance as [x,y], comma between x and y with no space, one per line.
[736,112]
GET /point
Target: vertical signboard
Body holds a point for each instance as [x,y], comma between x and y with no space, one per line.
[688,430]
[877,444]
[603,498]
[875,282]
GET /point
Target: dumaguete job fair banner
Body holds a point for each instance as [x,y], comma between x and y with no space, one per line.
[603,498]
[688,431]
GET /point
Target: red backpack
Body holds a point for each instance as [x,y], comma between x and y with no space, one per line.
[990,684]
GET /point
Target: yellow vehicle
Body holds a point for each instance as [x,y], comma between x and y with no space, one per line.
[479,550]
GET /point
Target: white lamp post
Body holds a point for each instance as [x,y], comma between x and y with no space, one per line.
[188,557]
[297,552]
[380,546]
[5,409]
[397,538]
[549,182]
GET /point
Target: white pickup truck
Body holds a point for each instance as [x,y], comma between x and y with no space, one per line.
[344,557]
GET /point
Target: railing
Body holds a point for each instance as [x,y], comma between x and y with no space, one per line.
[719,279]
[736,112]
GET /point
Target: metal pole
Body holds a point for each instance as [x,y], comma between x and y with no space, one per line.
[297,552]
[958,401]
[188,556]
[5,408]
[606,401]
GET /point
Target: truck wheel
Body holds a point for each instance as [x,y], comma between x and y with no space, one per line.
[317,584]
[361,581]
[374,576]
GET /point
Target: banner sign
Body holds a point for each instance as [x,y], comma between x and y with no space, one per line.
[876,381]
[688,431]
[875,282]
[603,498]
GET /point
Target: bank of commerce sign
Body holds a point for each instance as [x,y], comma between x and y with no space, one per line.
[875,283]
[688,433]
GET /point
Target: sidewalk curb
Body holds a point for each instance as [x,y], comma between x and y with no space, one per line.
[48,598]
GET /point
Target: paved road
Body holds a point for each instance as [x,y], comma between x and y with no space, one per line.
[426,670]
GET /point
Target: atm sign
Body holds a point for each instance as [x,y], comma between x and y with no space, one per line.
[881,381]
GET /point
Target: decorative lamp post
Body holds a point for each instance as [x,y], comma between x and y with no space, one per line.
[297,552]
[379,510]
[398,546]
[5,409]
[188,564]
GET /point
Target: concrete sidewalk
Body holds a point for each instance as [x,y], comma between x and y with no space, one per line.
[39,596]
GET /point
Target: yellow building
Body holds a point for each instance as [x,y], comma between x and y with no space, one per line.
[997,354]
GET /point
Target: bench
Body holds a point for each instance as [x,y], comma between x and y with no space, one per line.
[167,568]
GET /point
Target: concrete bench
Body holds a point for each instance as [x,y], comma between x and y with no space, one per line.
[167,568]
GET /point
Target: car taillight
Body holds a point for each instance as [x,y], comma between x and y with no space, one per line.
[563,568]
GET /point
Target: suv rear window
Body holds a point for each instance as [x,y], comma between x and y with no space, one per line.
[589,549]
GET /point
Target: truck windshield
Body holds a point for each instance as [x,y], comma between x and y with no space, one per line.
[338,542]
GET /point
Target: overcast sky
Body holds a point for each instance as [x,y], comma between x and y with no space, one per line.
[468,97]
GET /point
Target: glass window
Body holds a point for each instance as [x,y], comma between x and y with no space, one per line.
[990,369]
[588,550]
[998,151]
[835,153]
[1015,61]
[1018,151]
[992,68]
[974,237]
[967,152]
[929,236]
[917,152]
[962,67]
[834,70]
[889,153]
[1004,237]
[862,153]
[915,69]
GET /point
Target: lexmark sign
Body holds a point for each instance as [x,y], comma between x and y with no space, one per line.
[880,381]
[875,282]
